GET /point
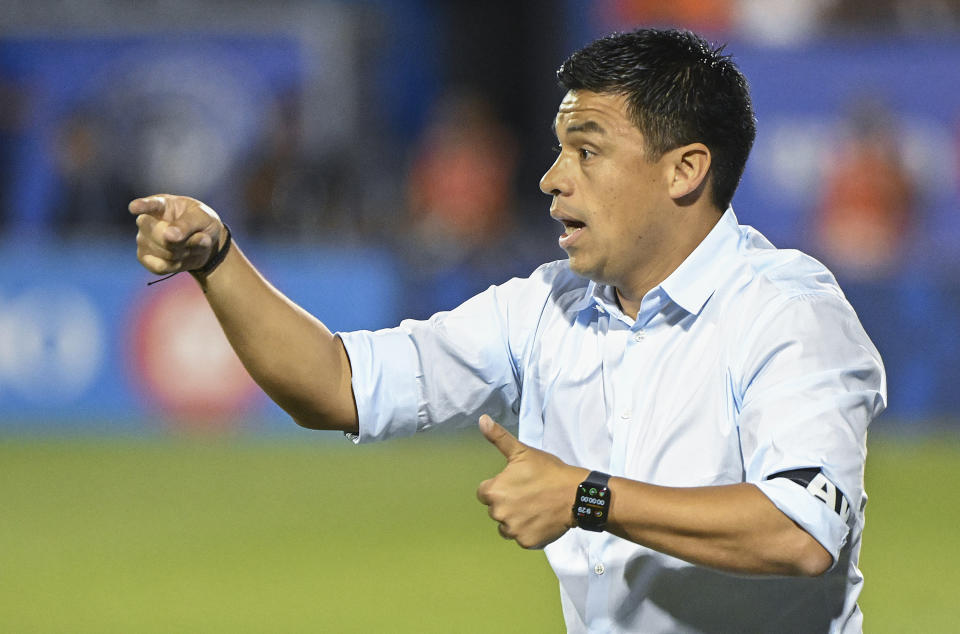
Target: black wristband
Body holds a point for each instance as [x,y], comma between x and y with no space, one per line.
[211,264]
[218,257]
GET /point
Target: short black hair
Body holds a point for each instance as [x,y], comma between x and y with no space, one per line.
[680,89]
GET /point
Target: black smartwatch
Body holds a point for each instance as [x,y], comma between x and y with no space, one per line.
[592,505]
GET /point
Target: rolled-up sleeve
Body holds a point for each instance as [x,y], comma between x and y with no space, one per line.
[445,371]
[386,376]
[810,514]
[811,383]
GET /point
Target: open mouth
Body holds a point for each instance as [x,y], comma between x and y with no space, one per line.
[572,230]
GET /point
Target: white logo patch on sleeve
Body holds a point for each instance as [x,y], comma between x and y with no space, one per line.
[822,488]
[813,480]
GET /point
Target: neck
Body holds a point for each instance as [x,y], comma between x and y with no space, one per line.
[677,249]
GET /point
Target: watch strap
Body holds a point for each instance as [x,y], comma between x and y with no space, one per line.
[598,478]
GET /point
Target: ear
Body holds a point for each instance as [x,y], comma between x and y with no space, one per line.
[688,166]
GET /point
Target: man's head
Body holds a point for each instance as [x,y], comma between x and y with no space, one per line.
[654,132]
[679,90]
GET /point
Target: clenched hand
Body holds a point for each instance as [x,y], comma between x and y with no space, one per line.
[532,498]
[176,233]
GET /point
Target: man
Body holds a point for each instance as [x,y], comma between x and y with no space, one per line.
[692,402]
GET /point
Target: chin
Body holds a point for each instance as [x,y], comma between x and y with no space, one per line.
[592,273]
[580,268]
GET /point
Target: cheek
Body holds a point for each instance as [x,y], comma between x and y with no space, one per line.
[622,214]
[631,208]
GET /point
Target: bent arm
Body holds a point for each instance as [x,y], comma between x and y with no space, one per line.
[734,528]
[297,361]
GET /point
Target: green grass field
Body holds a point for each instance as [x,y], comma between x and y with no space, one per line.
[306,534]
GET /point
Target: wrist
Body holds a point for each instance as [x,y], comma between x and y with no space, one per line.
[217,256]
[223,235]
[578,475]
[593,501]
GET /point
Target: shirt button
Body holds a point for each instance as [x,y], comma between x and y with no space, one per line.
[625,414]
[638,336]
[599,569]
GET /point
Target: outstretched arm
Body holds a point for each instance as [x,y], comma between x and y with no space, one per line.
[734,528]
[297,361]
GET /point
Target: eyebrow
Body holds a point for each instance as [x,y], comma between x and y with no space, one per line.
[586,126]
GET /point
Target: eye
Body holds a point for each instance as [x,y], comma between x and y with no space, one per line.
[585,154]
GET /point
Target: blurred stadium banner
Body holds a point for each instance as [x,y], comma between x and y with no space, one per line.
[83,339]
[858,146]
[857,161]
[85,343]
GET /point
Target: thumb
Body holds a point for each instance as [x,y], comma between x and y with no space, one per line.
[503,440]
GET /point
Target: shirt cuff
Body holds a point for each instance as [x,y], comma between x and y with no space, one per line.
[811,514]
[385,372]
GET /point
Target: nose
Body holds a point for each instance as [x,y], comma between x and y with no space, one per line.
[552,183]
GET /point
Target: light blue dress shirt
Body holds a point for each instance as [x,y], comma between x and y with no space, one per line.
[745,362]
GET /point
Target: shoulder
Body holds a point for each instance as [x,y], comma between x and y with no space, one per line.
[783,274]
[549,297]
[764,284]
[552,284]
[783,301]
[520,304]
[557,275]
[773,294]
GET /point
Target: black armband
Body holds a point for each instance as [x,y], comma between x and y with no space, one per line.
[817,484]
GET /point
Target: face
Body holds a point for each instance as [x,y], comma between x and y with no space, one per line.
[611,200]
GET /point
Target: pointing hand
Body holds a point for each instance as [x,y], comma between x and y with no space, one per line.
[175,233]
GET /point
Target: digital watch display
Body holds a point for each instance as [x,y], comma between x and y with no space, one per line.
[592,504]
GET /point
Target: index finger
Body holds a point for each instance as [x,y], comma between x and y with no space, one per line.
[483,491]
[153,205]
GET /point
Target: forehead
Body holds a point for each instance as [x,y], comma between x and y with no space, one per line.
[582,110]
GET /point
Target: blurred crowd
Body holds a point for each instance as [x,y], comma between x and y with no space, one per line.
[784,22]
[439,136]
[384,155]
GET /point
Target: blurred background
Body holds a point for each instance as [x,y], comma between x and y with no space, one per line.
[379,159]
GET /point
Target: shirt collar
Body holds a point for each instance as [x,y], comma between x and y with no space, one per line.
[599,296]
[589,297]
[697,277]
[693,282]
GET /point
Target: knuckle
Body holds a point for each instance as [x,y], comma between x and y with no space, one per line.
[485,490]
[490,497]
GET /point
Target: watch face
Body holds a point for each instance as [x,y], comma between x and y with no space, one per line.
[592,504]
